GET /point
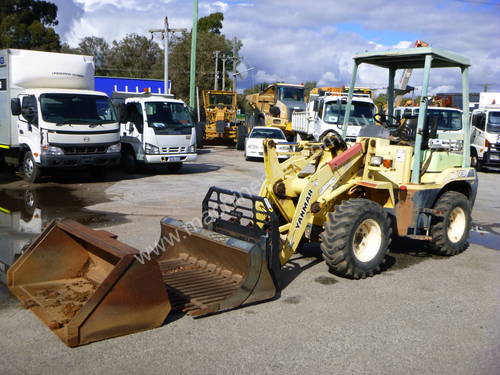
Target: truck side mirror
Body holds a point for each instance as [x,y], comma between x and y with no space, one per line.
[130,128]
[122,112]
[315,106]
[15,106]
[29,113]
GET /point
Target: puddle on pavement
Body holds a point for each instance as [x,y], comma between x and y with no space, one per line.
[485,236]
[24,213]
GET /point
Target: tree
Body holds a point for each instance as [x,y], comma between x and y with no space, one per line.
[27,24]
[211,23]
[133,56]
[97,47]
[210,39]
[308,86]
[381,101]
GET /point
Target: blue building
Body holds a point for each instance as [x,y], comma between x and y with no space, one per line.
[139,85]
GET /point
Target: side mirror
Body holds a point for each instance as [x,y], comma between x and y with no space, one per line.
[315,106]
[122,112]
[30,115]
[15,106]
[131,128]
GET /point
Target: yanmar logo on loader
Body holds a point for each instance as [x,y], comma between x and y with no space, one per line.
[303,210]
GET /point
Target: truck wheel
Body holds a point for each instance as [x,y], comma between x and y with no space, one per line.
[356,238]
[241,134]
[200,133]
[475,162]
[129,163]
[31,171]
[449,233]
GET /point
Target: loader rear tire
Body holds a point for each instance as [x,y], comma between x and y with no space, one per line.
[449,234]
[356,238]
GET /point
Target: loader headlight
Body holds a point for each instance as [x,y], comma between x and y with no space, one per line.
[52,151]
[151,149]
[114,148]
[376,161]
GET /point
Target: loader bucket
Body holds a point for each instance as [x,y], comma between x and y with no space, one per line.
[87,286]
[224,265]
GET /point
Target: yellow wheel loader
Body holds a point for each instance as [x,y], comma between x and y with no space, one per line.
[221,124]
[403,180]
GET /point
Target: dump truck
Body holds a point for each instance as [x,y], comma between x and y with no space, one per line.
[274,105]
[156,129]
[396,180]
[50,117]
[325,113]
[221,123]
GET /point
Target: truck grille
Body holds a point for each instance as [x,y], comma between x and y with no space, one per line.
[73,150]
[172,150]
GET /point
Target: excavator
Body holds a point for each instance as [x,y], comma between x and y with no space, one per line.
[397,179]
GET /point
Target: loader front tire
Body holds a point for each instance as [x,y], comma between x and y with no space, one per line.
[356,238]
[450,232]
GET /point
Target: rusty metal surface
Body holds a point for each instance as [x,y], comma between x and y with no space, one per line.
[206,272]
[87,286]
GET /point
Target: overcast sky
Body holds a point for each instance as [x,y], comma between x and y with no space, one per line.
[303,40]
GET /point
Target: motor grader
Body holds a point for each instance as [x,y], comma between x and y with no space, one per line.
[403,180]
[221,123]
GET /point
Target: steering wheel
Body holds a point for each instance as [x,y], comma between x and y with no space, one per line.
[387,121]
[333,139]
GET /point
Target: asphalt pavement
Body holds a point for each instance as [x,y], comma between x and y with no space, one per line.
[424,314]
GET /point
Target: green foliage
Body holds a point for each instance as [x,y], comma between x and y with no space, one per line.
[381,101]
[27,24]
[211,23]
[308,86]
[133,56]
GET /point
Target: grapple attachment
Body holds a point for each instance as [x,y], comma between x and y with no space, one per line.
[87,286]
[230,262]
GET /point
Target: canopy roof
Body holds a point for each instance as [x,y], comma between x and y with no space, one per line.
[412,58]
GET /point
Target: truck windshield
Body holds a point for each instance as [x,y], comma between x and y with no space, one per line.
[168,115]
[361,113]
[77,109]
[291,93]
[447,120]
[267,133]
[493,122]
[225,99]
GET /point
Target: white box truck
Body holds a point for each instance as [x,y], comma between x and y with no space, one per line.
[158,130]
[485,132]
[325,113]
[50,117]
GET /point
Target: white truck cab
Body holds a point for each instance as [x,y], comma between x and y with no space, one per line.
[449,120]
[158,130]
[51,118]
[485,132]
[326,113]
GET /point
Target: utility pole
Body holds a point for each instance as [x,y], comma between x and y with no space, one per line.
[235,61]
[165,36]
[224,58]
[192,71]
[216,80]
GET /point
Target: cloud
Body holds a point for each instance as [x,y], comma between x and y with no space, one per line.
[301,41]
